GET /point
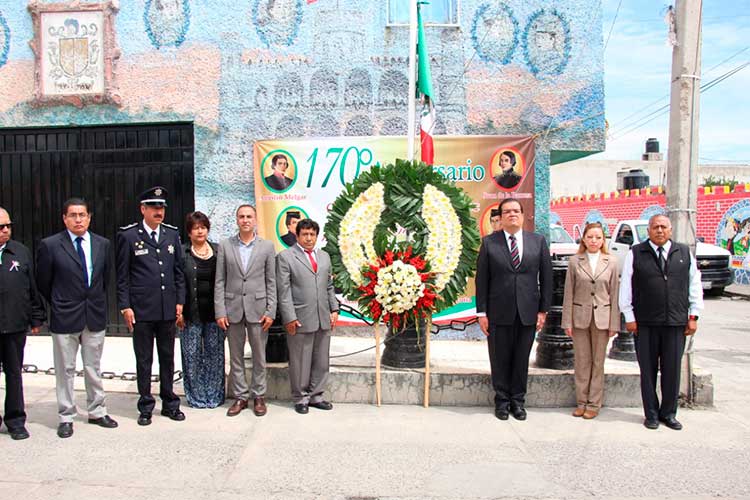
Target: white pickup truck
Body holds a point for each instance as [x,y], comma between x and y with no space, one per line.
[713,261]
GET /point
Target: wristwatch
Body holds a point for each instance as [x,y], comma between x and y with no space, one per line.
[693,317]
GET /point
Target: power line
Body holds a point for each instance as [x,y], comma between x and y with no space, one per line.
[664,109]
[612,26]
[622,123]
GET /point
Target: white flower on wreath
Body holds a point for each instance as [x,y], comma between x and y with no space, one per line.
[444,240]
[399,287]
[357,230]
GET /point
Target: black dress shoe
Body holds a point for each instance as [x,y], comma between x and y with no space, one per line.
[301,408]
[672,423]
[501,413]
[518,413]
[144,419]
[65,430]
[18,434]
[651,423]
[105,421]
[322,405]
[175,415]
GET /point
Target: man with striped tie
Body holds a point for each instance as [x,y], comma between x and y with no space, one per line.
[513,295]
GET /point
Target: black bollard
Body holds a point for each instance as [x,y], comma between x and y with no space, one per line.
[623,346]
[276,348]
[405,348]
[554,349]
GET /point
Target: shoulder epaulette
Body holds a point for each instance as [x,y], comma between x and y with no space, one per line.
[123,228]
[170,226]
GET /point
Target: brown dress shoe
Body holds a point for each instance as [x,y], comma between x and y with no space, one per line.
[259,406]
[236,408]
[589,414]
[578,412]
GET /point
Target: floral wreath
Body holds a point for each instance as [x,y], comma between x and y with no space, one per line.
[402,241]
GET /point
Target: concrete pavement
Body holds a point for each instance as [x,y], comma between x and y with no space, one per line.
[359,451]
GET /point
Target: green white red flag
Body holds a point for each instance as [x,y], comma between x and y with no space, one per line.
[424,92]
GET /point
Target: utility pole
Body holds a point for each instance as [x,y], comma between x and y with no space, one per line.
[682,163]
[682,185]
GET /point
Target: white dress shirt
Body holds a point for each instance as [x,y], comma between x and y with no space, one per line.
[86,245]
[519,242]
[149,230]
[593,260]
[695,290]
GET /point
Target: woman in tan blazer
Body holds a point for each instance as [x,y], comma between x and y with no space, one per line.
[591,315]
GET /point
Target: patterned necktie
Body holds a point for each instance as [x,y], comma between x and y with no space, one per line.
[662,261]
[312,260]
[514,255]
[153,237]
[82,258]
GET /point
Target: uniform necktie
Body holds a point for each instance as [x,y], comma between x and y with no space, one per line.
[153,237]
[82,258]
[514,255]
[312,260]
[662,261]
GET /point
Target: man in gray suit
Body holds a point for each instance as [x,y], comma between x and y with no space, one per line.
[245,304]
[309,310]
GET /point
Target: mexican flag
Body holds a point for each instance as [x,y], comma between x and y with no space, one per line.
[424,92]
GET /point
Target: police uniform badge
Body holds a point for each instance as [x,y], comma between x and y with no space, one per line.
[139,249]
[170,249]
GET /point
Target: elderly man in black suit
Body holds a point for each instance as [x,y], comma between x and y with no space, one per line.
[21,308]
[513,295]
[661,298]
[72,273]
[150,295]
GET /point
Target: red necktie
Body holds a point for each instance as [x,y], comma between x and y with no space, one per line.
[312,260]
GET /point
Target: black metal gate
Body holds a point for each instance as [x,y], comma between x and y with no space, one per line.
[109,166]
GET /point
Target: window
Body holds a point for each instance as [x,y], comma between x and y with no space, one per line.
[625,235]
[559,235]
[437,12]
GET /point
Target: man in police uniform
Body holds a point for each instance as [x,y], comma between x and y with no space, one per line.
[150,295]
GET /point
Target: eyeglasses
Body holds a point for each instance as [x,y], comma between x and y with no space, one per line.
[8,225]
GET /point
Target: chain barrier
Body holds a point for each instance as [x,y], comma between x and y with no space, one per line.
[457,325]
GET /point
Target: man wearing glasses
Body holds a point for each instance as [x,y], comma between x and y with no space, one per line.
[514,293]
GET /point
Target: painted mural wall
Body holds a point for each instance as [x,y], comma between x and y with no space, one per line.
[243,70]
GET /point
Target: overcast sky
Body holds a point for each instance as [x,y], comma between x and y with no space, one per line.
[637,61]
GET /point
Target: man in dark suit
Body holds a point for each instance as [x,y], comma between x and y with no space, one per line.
[21,308]
[661,298]
[150,295]
[72,274]
[292,218]
[513,295]
[278,181]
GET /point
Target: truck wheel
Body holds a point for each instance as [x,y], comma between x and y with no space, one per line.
[716,291]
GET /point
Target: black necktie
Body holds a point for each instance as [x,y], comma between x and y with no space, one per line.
[662,261]
[82,258]
[153,237]
[514,255]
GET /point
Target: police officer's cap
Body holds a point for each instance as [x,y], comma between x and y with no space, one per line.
[292,214]
[155,197]
[495,212]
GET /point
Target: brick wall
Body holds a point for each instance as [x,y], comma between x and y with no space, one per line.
[612,207]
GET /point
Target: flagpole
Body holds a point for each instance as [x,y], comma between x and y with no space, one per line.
[412,127]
